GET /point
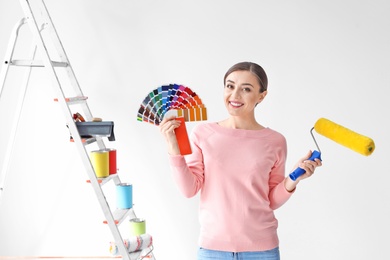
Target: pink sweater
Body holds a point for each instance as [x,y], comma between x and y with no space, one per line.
[240,176]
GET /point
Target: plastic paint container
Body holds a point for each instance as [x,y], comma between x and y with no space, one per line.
[100,161]
[124,196]
[137,227]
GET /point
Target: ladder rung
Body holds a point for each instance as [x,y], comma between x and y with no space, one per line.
[85,141]
[103,181]
[36,63]
[136,255]
[74,100]
[120,214]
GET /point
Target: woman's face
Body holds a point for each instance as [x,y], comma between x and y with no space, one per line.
[242,93]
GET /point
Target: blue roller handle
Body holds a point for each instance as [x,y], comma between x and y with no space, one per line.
[299,171]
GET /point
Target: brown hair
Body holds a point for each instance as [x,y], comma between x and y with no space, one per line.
[256,69]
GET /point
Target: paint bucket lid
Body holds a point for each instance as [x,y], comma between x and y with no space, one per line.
[99,151]
[124,184]
[108,149]
[137,220]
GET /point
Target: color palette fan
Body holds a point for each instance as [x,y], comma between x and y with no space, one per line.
[178,100]
[171,97]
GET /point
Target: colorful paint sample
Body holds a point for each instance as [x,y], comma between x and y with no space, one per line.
[171,97]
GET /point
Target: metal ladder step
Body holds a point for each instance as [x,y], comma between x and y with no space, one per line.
[103,181]
[86,141]
[74,100]
[120,215]
[36,63]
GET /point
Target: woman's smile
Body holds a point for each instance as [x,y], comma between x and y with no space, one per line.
[235,104]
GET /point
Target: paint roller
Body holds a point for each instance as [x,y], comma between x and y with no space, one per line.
[341,135]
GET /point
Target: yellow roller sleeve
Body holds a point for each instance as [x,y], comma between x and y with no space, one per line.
[344,136]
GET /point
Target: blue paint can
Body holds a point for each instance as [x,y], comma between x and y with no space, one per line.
[124,196]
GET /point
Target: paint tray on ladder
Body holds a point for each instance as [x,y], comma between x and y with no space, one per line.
[103,128]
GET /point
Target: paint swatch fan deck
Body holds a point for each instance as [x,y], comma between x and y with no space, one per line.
[173,99]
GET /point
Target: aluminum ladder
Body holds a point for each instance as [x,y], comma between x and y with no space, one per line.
[54,58]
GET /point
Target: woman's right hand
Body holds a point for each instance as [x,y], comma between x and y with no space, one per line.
[167,128]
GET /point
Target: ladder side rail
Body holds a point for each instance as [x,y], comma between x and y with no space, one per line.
[62,101]
[9,53]
[64,57]
[74,131]
[98,191]
[117,180]
[101,198]
[69,70]
[100,143]
[50,69]
[15,123]
[103,202]
[111,222]
[59,46]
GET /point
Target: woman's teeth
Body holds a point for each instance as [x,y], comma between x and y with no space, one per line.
[235,104]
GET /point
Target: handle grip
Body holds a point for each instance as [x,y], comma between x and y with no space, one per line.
[299,171]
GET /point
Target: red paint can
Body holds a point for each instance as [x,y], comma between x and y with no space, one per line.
[112,161]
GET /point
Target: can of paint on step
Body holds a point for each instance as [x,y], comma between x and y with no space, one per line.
[137,226]
[100,162]
[124,196]
[111,161]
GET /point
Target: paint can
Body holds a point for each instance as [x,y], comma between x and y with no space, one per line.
[124,196]
[112,161]
[137,226]
[100,162]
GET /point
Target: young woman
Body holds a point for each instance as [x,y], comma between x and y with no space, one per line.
[238,166]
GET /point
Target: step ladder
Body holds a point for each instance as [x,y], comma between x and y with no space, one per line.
[53,60]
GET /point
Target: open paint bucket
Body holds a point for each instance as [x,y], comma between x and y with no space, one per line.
[100,162]
[124,196]
[137,226]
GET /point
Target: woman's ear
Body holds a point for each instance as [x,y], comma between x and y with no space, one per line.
[262,96]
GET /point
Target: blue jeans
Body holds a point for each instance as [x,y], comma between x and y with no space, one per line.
[206,254]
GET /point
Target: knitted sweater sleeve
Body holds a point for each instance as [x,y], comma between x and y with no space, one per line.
[278,194]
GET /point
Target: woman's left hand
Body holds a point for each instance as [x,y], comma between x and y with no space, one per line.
[307,165]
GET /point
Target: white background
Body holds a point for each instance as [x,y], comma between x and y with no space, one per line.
[323,58]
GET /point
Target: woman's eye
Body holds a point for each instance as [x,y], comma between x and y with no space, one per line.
[229,86]
[247,90]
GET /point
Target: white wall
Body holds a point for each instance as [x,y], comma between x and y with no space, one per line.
[323,58]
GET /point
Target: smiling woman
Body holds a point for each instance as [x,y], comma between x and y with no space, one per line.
[236,164]
[322,58]
[243,91]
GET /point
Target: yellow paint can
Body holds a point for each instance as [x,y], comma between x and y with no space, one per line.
[100,162]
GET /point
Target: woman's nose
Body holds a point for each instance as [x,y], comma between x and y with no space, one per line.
[235,93]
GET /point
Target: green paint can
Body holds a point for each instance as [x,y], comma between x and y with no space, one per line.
[137,226]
